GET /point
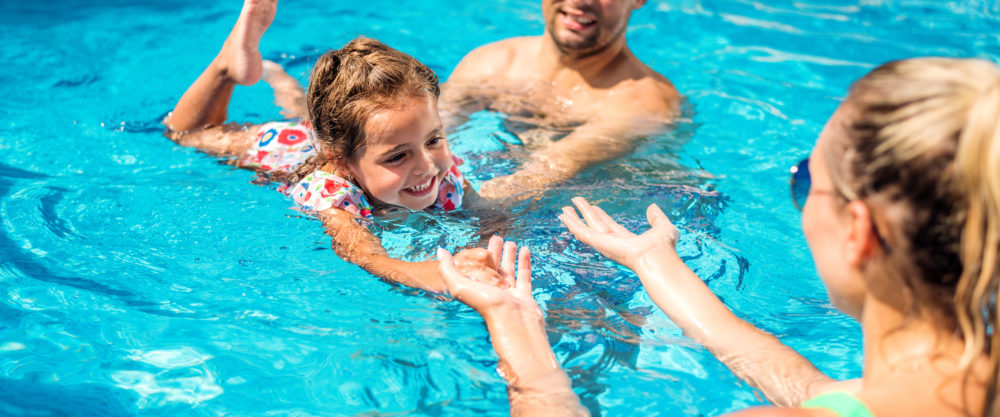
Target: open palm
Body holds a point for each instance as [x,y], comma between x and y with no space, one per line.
[485,296]
[611,239]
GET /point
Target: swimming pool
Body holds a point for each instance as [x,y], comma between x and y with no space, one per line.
[142,278]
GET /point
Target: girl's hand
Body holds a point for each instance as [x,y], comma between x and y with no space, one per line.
[483,265]
[477,264]
[616,242]
[484,297]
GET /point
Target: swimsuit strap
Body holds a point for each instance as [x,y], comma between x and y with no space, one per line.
[450,191]
[841,403]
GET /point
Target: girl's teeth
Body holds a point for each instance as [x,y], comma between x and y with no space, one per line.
[419,188]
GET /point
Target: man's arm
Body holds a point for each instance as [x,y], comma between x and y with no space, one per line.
[592,143]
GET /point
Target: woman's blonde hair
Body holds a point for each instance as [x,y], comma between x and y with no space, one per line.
[925,137]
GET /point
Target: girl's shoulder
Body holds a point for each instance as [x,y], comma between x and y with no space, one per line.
[320,190]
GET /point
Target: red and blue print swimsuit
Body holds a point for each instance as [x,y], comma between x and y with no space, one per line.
[283,146]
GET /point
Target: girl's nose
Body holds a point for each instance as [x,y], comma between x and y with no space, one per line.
[425,165]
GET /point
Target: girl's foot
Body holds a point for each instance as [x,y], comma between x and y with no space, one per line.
[206,101]
[240,58]
[288,93]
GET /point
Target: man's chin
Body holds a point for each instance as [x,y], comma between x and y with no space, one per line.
[572,45]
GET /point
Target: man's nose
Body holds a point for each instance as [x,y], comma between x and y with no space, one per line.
[585,5]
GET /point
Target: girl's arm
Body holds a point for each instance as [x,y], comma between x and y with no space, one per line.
[537,385]
[356,244]
[785,377]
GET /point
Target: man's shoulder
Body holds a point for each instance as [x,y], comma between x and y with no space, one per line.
[648,91]
[493,58]
[508,45]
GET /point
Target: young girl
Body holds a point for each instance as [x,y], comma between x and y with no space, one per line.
[373,138]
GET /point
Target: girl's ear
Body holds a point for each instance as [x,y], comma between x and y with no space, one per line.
[340,164]
[861,242]
[344,168]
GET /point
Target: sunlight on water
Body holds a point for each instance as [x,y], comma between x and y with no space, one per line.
[142,278]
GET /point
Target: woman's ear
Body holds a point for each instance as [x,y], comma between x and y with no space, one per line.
[862,241]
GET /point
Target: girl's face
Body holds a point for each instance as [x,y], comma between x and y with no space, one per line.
[825,223]
[405,155]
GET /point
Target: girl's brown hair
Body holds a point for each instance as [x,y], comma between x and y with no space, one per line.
[925,141]
[347,86]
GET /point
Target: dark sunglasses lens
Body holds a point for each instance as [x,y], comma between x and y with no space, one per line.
[801,183]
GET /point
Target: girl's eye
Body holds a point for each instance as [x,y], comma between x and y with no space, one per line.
[395,158]
[435,140]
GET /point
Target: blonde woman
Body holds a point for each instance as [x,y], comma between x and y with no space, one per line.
[900,204]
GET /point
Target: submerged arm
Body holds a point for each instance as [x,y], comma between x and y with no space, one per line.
[560,161]
[459,99]
[784,376]
[594,142]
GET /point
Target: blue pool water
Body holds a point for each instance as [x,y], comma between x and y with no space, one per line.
[142,278]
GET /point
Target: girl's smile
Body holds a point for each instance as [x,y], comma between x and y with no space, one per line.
[422,189]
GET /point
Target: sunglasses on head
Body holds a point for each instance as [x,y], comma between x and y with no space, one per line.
[800,184]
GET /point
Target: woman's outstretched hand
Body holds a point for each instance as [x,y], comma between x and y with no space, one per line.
[537,385]
[611,239]
[477,288]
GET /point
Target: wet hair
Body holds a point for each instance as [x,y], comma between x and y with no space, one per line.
[349,85]
[924,140]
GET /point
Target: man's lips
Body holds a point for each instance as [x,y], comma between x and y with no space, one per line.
[576,20]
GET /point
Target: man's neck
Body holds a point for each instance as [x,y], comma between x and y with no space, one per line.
[554,63]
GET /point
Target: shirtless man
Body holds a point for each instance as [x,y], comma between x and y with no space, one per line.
[579,80]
